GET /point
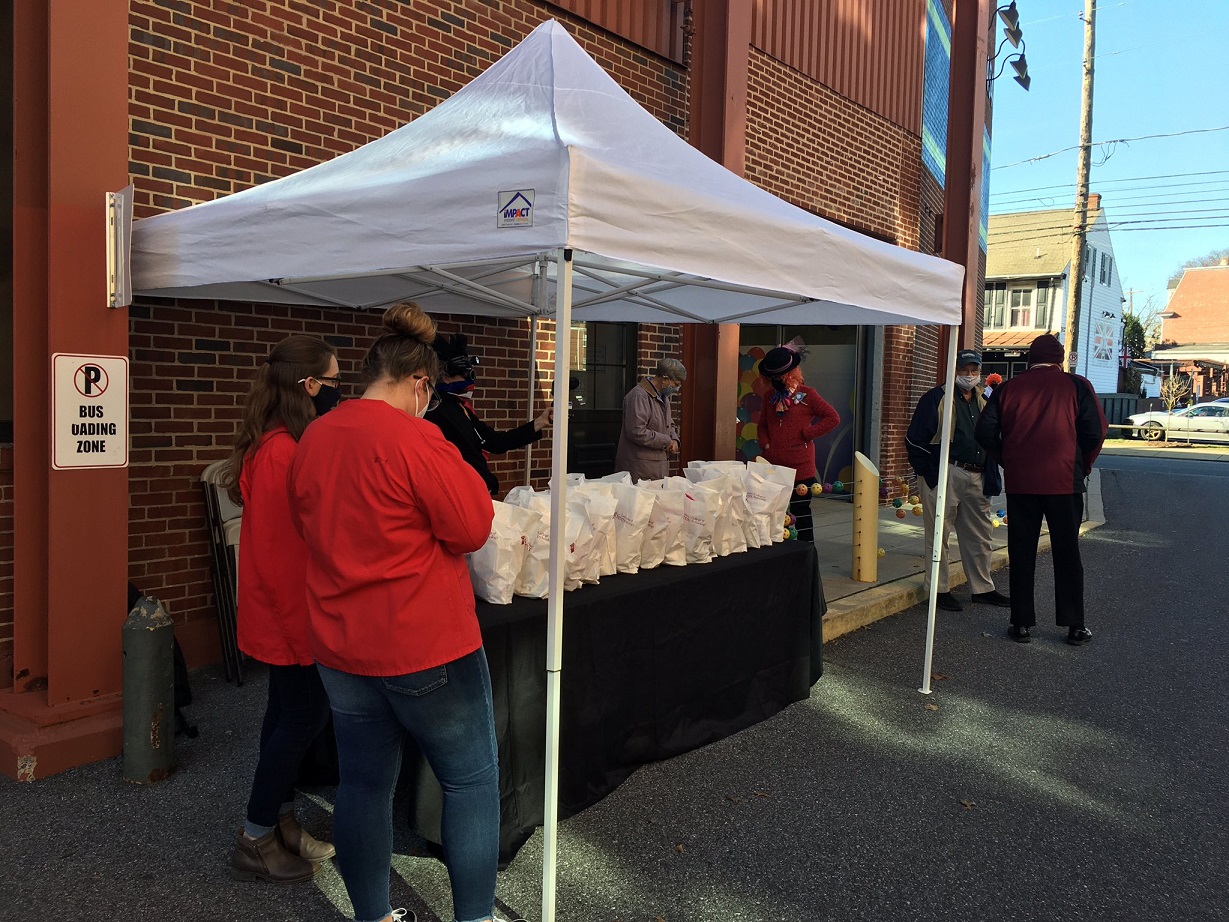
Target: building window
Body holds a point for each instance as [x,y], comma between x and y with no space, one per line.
[1041,301]
[1021,307]
[1090,261]
[994,305]
[1107,268]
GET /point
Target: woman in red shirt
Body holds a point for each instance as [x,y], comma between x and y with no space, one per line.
[792,416]
[295,384]
[388,509]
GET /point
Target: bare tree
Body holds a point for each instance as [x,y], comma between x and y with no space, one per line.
[1215,258]
[1175,389]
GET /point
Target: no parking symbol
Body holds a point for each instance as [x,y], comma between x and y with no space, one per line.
[89,412]
[91,380]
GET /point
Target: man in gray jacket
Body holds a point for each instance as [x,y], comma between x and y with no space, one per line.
[648,435]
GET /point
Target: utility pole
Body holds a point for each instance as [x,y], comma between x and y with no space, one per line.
[1071,341]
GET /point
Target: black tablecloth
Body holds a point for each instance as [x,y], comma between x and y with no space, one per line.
[655,664]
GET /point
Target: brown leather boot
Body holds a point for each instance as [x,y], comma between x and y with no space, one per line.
[302,842]
[268,859]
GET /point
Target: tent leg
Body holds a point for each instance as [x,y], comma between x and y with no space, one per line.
[554,609]
[533,386]
[936,543]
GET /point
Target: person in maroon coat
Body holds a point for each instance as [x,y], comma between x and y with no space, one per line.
[1046,428]
[792,417]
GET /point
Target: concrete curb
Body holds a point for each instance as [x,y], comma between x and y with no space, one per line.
[856,611]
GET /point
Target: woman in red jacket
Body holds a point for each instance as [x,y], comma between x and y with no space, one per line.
[388,509]
[792,416]
[295,384]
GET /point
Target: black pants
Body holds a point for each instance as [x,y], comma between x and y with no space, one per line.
[800,506]
[1062,514]
[297,711]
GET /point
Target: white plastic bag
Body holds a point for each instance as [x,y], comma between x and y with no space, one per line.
[764,500]
[533,580]
[632,514]
[785,476]
[730,533]
[601,504]
[663,536]
[495,567]
[702,507]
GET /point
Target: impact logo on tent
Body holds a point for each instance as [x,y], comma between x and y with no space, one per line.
[515,209]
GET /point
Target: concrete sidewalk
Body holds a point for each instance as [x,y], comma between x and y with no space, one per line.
[852,605]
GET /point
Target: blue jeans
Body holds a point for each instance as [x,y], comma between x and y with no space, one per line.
[296,713]
[448,711]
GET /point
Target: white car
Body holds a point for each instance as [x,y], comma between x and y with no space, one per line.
[1204,422]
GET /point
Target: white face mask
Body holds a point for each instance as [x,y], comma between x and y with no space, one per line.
[423,412]
[968,382]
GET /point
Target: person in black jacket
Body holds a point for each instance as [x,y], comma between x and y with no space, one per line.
[973,478]
[460,424]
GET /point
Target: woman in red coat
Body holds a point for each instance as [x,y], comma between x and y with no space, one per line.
[295,384]
[389,509]
[792,416]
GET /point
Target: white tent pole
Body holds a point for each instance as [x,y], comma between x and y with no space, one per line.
[936,543]
[533,386]
[554,607]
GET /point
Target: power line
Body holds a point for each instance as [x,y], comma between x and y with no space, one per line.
[1140,209]
[1105,187]
[1118,206]
[1143,137]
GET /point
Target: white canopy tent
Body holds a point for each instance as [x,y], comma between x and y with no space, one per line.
[542,189]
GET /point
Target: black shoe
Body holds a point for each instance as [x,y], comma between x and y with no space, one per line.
[1078,636]
[1019,634]
[993,597]
[947,602]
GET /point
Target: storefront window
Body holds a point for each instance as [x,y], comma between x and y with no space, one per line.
[604,369]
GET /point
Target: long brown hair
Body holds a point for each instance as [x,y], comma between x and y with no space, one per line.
[278,398]
[405,348]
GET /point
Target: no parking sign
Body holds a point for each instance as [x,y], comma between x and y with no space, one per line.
[89,411]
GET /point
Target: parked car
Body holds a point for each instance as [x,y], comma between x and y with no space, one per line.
[1221,400]
[1204,422]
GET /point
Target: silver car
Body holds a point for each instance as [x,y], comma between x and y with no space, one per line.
[1204,422]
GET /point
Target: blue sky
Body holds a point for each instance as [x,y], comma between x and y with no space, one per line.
[1160,68]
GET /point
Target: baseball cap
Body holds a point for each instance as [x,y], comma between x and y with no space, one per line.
[967,357]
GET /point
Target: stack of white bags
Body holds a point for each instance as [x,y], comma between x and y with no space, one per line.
[614,526]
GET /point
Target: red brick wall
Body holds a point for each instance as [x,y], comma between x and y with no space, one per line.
[832,157]
[224,95]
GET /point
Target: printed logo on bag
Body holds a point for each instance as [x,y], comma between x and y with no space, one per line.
[515,208]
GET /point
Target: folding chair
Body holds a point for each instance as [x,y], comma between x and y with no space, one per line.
[222,519]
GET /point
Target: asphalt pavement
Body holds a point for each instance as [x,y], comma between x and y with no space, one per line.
[1038,782]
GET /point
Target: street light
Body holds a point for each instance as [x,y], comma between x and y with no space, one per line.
[1014,35]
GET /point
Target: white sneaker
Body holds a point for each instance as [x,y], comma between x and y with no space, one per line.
[404,915]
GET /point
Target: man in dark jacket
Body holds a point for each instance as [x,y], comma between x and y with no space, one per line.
[460,424]
[973,478]
[1046,428]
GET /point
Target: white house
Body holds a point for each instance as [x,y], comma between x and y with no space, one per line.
[1028,257]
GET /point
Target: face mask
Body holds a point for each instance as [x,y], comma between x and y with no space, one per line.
[968,382]
[423,412]
[778,384]
[455,387]
[669,391]
[325,399]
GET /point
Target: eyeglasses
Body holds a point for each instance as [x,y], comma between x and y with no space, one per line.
[433,399]
[323,379]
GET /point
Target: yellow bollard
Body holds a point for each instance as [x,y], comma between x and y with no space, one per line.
[865,520]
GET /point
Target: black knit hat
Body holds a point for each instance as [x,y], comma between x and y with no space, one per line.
[1045,349]
[778,361]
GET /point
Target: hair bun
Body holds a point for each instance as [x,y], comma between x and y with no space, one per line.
[408,319]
